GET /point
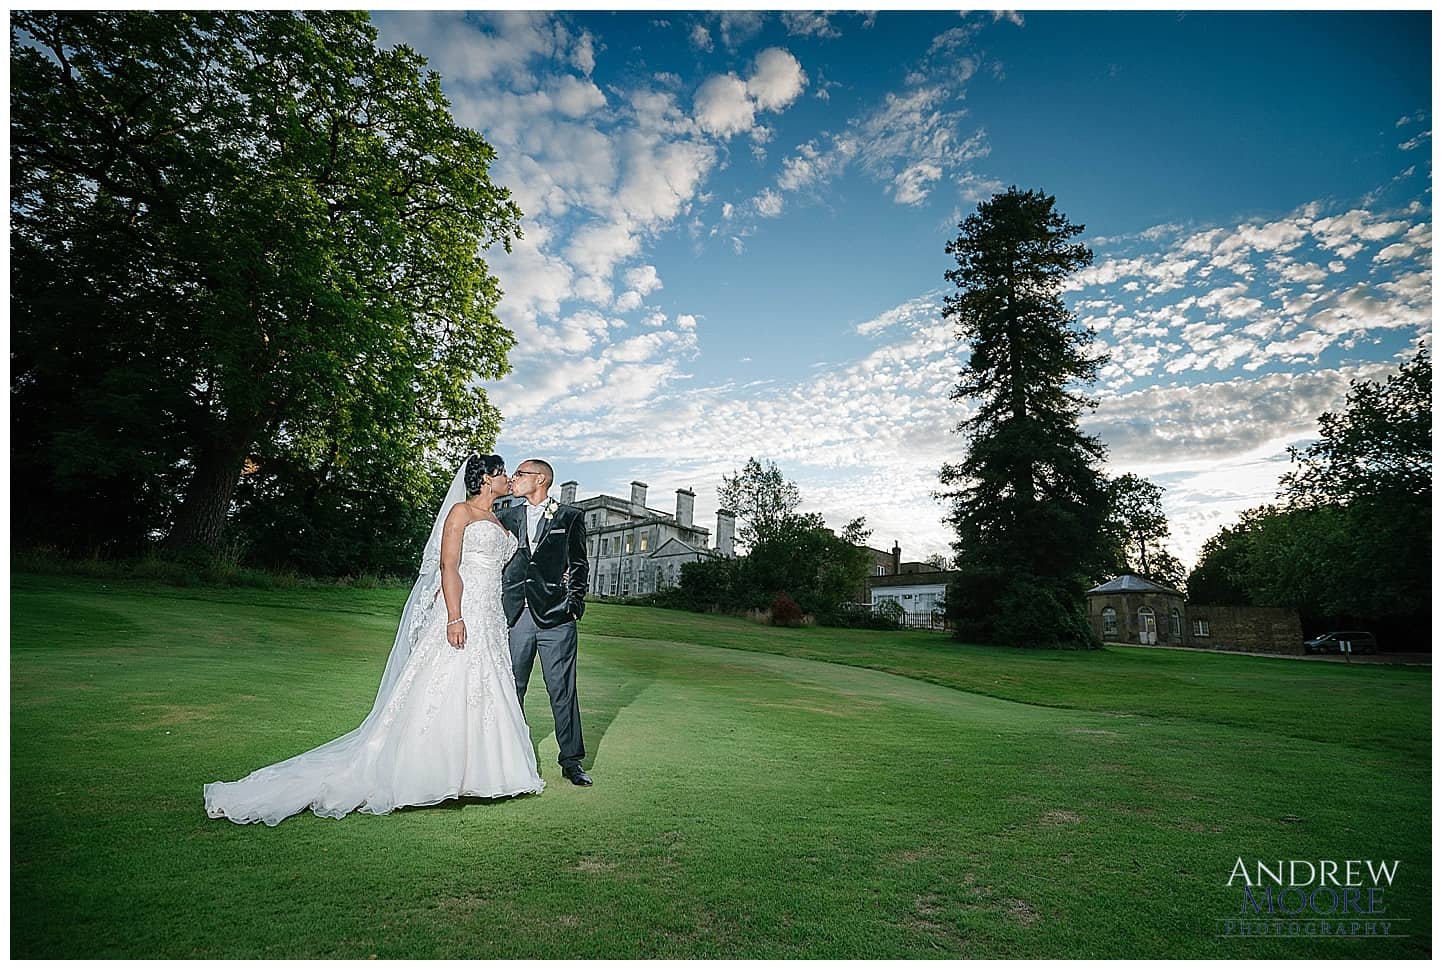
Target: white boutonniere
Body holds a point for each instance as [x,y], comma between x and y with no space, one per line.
[552,507]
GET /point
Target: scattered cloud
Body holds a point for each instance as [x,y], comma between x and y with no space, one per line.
[769,203]
[1224,341]
[909,141]
[809,23]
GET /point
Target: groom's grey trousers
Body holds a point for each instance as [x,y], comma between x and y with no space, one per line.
[557,648]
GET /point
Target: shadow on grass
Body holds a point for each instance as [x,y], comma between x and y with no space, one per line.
[456,804]
[602,701]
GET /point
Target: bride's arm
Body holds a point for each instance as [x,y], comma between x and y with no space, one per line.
[452,534]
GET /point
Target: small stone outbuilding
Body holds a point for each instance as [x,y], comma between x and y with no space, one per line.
[1130,609]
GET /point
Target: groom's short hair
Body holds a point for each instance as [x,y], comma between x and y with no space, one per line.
[550,472]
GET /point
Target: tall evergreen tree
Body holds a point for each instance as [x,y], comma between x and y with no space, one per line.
[1028,502]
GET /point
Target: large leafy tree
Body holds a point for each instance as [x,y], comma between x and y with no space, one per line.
[1351,542]
[1028,502]
[788,552]
[1378,448]
[242,242]
[762,498]
[1224,574]
[1138,528]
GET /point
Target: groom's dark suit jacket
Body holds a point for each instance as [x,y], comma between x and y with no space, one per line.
[551,578]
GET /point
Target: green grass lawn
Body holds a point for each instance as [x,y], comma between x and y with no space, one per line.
[759,792]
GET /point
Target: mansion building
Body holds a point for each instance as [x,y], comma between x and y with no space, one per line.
[636,550]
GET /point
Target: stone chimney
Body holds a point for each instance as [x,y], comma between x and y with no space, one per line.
[568,493]
[895,558]
[726,532]
[685,507]
[638,496]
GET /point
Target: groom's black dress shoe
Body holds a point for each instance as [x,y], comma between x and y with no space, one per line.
[576,775]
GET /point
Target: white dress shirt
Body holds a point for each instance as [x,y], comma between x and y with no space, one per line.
[533,515]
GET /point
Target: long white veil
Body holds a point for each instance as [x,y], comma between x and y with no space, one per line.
[422,598]
[332,779]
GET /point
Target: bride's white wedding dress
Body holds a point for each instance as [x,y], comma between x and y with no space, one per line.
[447,722]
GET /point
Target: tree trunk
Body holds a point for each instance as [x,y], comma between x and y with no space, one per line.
[200,520]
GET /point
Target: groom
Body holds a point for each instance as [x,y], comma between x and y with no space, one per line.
[543,592]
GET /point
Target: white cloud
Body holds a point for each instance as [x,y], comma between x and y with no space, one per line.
[914,182]
[768,204]
[776,79]
[595,249]
[922,310]
[809,23]
[736,27]
[909,141]
[576,98]
[723,106]
[701,38]
[1399,250]
[1417,141]
[583,57]
[810,166]
[643,279]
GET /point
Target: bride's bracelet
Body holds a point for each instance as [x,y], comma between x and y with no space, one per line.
[459,619]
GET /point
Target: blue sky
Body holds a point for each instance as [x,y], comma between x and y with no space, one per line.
[735,229]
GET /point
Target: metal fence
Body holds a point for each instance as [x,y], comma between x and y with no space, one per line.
[923,621]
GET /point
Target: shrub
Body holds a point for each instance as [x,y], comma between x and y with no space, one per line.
[784,611]
[853,616]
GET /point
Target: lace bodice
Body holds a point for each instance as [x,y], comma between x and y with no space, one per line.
[486,546]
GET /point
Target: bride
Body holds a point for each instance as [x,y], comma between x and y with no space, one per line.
[446,722]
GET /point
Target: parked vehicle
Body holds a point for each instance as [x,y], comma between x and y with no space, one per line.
[1332,642]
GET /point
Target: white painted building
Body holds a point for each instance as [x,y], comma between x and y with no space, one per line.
[636,550]
[912,598]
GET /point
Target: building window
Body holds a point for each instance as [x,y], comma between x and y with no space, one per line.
[1201,628]
[1109,622]
[645,541]
[880,570]
[628,545]
[601,582]
[615,581]
[1176,624]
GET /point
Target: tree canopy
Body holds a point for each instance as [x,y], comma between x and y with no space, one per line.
[762,498]
[1137,527]
[1350,544]
[1027,501]
[1379,447]
[790,553]
[245,243]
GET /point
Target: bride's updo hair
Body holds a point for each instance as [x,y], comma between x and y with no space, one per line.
[480,467]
